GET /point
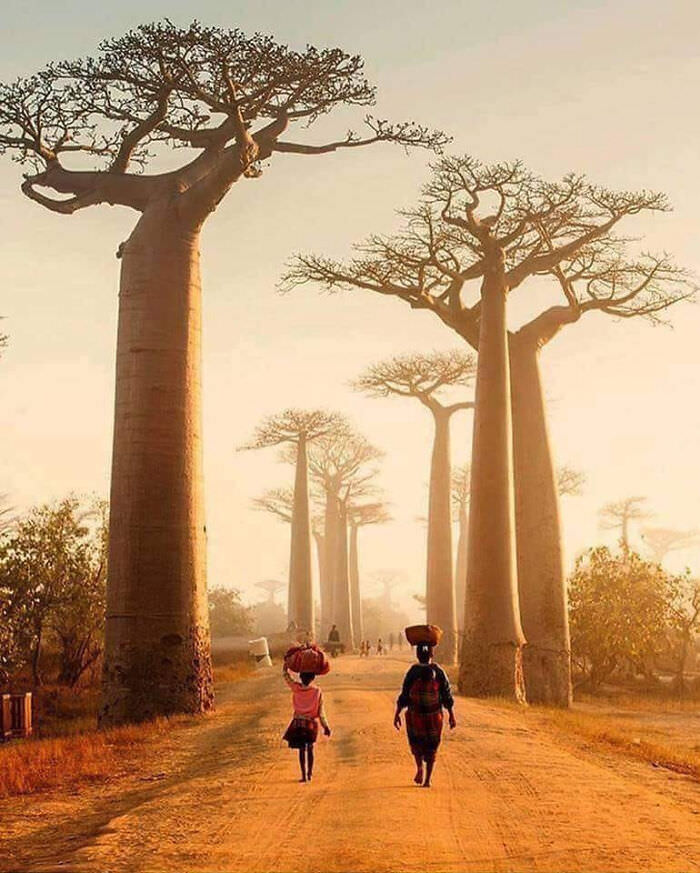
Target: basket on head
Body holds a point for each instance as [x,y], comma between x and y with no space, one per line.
[307,659]
[427,634]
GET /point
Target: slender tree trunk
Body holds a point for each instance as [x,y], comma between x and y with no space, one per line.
[343,599]
[354,569]
[36,658]
[330,536]
[491,661]
[461,566]
[157,653]
[541,577]
[301,602]
[439,593]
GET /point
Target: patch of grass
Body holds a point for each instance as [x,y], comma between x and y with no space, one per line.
[632,736]
[31,765]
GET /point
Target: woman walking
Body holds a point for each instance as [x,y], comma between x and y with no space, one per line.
[302,732]
[426,690]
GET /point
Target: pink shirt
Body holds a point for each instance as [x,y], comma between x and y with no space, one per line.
[306,700]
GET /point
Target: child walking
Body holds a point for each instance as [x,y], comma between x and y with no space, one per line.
[302,732]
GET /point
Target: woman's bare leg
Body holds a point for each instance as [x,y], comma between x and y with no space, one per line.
[309,761]
[429,764]
[302,763]
[418,778]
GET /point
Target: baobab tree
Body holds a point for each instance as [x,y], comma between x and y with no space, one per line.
[298,428]
[425,378]
[360,515]
[270,587]
[500,226]
[88,129]
[461,488]
[343,466]
[619,514]
[662,540]
[570,482]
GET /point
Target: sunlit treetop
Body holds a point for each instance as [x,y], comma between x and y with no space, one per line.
[290,425]
[474,217]
[421,374]
[343,463]
[232,97]
[570,482]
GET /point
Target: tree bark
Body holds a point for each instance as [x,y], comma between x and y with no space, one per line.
[301,602]
[343,602]
[461,567]
[36,659]
[157,653]
[491,661]
[541,577]
[439,592]
[356,595]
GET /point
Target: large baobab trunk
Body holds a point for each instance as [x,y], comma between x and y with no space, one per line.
[491,661]
[541,579]
[301,602]
[329,564]
[461,566]
[342,599]
[356,595]
[440,595]
[157,654]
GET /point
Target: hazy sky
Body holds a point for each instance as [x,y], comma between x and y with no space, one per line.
[606,88]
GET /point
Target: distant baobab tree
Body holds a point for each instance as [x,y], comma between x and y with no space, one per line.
[87,129]
[343,466]
[424,378]
[500,226]
[298,428]
[360,515]
[461,489]
[270,587]
[661,541]
[619,514]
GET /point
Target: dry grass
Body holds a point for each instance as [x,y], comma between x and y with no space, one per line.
[67,749]
[33,765]
[661,732]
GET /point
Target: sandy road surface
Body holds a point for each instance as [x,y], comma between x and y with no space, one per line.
[221,795]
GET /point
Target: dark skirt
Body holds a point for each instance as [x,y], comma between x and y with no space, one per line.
[301,732]
[424,731]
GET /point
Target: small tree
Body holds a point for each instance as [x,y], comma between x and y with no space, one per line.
[619,515]
[227,615]
[684,625]
[570,482]
[298,428]
[619,608]
[425,378]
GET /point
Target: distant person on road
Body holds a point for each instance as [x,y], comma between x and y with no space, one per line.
[302,732]
[380,647]
[426,690]
[391,642]
[400,639]
[334,635]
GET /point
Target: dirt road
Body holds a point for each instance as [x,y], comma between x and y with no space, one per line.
[221,794]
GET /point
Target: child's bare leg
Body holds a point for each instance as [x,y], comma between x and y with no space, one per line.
[302,763]
[309,761]
[418,778]
[429,764]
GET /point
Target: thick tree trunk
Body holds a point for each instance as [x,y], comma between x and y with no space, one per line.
[300,607]
[157,654]
[491,662]
[439,592]
[342,599]
[541,578]
[461,567]
[328,574]
[354,570]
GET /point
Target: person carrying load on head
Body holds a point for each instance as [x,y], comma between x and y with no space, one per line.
[425,692]
[302,732]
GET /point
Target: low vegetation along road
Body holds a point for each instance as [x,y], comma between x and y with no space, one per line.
[221,794]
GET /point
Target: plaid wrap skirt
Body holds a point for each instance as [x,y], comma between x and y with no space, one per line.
[301,732]
[424,717]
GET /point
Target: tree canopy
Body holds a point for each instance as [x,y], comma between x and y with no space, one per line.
[562,230]
[292,424]
[88,127]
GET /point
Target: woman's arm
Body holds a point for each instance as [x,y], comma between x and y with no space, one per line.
[403,698]
[322,717]
[446,698]
[287,678]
